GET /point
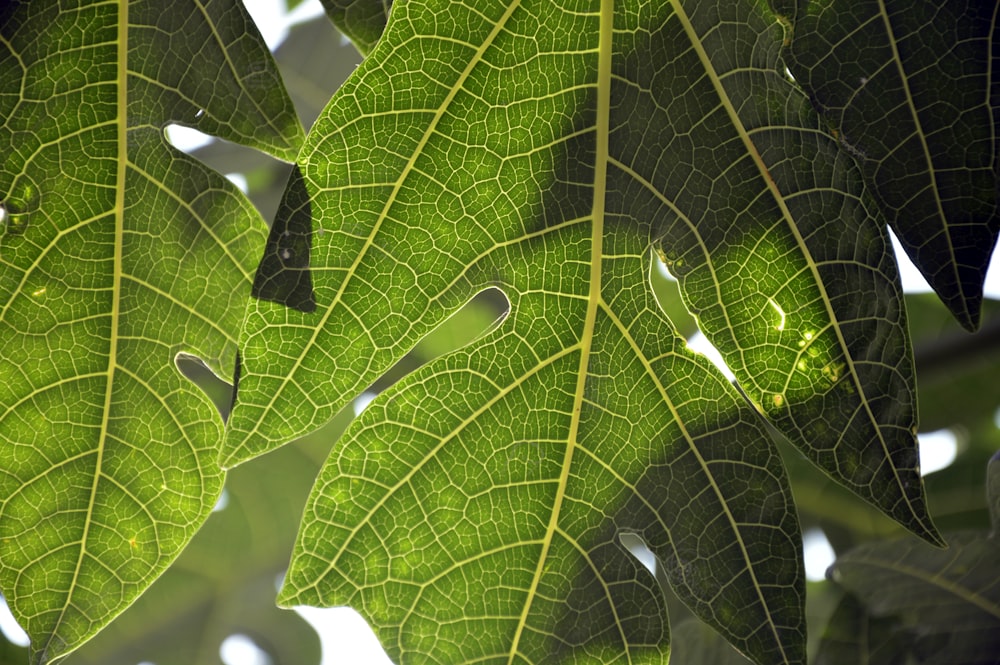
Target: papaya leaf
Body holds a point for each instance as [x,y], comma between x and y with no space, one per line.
[547,153]
[224,581]
[910,90]
[118,255]
[948,600]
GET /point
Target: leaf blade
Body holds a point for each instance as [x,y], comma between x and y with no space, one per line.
[110,454]
[546,260]
[906,90]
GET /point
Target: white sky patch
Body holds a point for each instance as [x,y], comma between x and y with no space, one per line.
[186,139]
[239,180]
[638,548]
[937,450]
[345,636]
[362,402]
[241,650]
[222,502]
[9,626]
[818,554]
[273,21]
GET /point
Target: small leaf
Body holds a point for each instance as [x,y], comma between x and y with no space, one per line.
[120,255]
[853,636]
[907,90]
[932,592]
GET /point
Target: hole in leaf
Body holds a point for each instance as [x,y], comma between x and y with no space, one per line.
[477,318]
[217,390]
[700,344]
[186,139]
[637,548]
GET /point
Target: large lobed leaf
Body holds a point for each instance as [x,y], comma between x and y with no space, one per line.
[223,582]
[473,511]
[118,255]
[910,90]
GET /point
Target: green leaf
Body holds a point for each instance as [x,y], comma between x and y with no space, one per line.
[224,582]
[909,90]
[362,21]
[697,644]
[949,599]
[777,255]
[853,636]
[118,255]
[812,325]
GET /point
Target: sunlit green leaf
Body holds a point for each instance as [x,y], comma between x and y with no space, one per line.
[118,254]
[909,90]
[768,231]
[224,582]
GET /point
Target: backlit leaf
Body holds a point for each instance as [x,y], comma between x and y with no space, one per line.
[361,20]
[473,512]
[118,255]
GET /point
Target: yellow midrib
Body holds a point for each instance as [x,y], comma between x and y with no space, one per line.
[119,217]
[593,299]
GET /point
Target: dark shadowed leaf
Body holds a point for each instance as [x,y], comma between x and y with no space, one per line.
[910,90]
[948,600]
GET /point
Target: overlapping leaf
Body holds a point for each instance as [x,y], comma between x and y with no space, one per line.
[777,254]
[223,583]
[914,603]
[910,90]
[546,149]
[948,600]
[362,21]
[118,253]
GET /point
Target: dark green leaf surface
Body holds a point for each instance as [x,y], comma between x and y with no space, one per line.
[361,20]
[697,644]
[949,599]
[790,276]
[910,90]
[854,637]
[117,254]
